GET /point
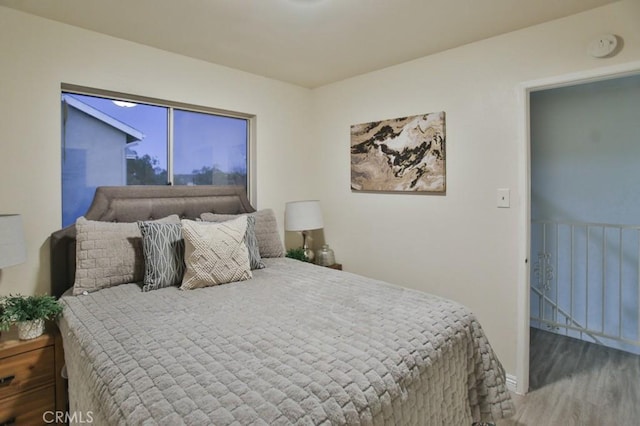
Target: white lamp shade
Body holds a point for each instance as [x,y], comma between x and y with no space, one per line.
[303,215]
[13,249]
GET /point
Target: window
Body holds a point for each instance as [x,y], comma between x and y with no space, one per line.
[110,139]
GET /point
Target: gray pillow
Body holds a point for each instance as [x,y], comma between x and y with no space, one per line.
[163,249]
[266,230]
[109,254]
[251,241]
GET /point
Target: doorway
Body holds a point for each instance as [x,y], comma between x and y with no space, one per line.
[585,212]
[527,267]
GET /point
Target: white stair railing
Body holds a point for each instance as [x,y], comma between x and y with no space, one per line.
[585,281]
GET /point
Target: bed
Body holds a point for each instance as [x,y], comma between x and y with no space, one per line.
[295,344]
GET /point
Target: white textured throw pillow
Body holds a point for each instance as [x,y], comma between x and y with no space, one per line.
[266,230]
[215,253]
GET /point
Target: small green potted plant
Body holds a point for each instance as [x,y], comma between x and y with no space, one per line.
[28,313]
[298,254]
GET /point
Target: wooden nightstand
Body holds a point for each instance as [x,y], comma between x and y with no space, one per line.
[30,380]
[337,266]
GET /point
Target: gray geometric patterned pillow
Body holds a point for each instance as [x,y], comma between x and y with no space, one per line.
[163,249]
[252,244]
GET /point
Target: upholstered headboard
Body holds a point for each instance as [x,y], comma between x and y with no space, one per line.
[133,203]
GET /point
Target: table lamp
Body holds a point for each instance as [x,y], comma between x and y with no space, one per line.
[303,216]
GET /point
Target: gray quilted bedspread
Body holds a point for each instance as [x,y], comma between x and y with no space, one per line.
[297,344]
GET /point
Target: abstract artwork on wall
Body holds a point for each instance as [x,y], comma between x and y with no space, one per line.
[401,154]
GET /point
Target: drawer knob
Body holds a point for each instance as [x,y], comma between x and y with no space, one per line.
[9,422]
[5,381]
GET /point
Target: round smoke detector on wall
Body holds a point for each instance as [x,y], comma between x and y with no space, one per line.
[603,46]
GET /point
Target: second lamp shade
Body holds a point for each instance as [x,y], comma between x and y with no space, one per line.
[303,215]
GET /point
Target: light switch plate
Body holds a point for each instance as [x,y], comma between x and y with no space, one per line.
[503,198]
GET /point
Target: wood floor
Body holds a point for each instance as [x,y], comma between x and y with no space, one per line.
[578,383]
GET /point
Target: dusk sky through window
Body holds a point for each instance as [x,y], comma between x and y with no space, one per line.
[200,140]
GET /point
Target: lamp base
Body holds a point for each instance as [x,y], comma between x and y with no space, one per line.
[307,251]
[309,254]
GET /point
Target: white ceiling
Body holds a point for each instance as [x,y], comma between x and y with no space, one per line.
[305,42]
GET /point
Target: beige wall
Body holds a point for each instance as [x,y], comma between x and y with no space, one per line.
[37,55]
[459,245]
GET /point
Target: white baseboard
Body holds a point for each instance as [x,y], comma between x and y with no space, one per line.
[511,382]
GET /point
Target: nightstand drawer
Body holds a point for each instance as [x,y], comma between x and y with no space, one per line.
[27,408]
[26,371]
